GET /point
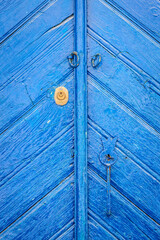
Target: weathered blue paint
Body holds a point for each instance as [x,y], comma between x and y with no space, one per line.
[124,101]
[47,191]
[80,121]
[37,140]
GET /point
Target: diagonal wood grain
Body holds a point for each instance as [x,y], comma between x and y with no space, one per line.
[31,40]
[36,134]
[98,232]
[47,217]
[125,219]
[13,12]
[22,143]
[118,121]
[123,35]
[21,14]
[30,75]
[128,177]
[143,13]
[67,232]
[142,77]
[36,179]
[123,102]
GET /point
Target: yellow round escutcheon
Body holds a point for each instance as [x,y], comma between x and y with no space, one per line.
[61,96]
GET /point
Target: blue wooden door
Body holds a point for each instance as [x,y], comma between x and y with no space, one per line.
[124,119]
[88,169]
[37,191]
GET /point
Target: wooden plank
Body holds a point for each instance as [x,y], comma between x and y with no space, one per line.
[146,79]
[13,105]
[33,83]
[47,217]
[12,12]
[35,180]
[144,13]
[117,120]
[37,67]
[126,83]
[97,232]
[127,176]
[80,122]
[98,220]
[137,160]
[34,132]
[125,36]
[26,19]
[31,42]
[66,233]
[126,219]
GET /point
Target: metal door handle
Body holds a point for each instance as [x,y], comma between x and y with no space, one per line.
[108,157]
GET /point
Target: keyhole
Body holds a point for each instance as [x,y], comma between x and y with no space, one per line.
[61,95]
[108,156]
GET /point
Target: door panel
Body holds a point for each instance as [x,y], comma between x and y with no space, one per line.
[123,103]
[38,35]
[15,13]
[128,175]
[118,120]
[126,220]
[37,142]
[35,179]
[34,54]
[125,84]
[33,133]
[145,15]
[97,231]
[125,40]
[47,217]
[43,188]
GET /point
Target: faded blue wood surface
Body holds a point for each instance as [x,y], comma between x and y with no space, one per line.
[125,37]
[15,13]
[144,13]
[38,61]
[37,142]
[124,102]
[47,217]
[45,192]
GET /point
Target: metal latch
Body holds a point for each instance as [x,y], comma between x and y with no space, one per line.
[108,157]
[73,59]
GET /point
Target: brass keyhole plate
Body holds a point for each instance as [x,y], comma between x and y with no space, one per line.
[61,96]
